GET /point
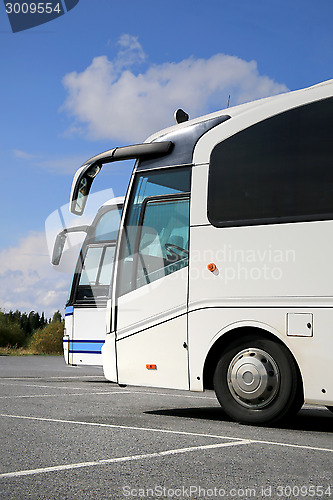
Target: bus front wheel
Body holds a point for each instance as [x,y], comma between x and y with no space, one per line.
[256,381]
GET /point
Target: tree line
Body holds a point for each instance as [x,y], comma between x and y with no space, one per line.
[17,328]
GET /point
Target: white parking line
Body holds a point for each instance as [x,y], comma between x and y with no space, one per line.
[168,431]
[122,459]
[114,426]
[113,393]
[63,395]
[291,445]
[65,377]
[57,387]
[116,391]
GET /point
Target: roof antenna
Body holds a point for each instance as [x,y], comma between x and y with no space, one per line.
[228,101]
[181,116]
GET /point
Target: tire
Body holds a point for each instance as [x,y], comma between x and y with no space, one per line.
[330,408]
[256,381]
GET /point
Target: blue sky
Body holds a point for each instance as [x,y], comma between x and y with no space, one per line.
[110,73]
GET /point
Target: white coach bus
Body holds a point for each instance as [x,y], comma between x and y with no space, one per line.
[86,311]
[223,273]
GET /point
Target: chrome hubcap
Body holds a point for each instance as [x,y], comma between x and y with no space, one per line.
[253,378]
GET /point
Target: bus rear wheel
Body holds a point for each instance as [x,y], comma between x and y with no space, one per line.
[257,382]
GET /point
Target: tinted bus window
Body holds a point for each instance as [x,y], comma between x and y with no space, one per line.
[279,170]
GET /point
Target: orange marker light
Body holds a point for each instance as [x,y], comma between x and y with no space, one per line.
[151,367]
[211,267]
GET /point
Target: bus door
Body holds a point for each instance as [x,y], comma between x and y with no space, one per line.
[91,290]
[89,307]
[152,285]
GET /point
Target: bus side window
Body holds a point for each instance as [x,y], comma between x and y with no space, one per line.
[106,272]
[108,225]
[91,266]
[96,275]
[278,170]
[139,242]
[163,245]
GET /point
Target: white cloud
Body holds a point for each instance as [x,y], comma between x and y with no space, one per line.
[130,51]
[52,163]
[28,280]
[18,153]
[62,165]
[115,102]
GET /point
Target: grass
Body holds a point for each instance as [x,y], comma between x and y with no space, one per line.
[23,351]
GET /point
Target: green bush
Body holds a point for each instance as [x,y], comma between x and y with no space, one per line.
[48,340]
[11,334]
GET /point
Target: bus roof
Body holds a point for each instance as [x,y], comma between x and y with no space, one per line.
[321,90]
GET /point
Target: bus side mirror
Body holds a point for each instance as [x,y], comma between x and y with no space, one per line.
[58,248]
[61,240]
[81,187]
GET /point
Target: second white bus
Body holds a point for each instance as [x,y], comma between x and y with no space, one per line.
[86,310]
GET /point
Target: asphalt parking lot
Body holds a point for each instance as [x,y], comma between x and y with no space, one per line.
[66,433]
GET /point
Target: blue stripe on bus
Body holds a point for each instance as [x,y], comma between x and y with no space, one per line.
[84,346]
[84,352]
[69,311]
[75,341]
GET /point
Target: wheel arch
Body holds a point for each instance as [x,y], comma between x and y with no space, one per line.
[240,331]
